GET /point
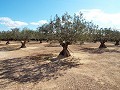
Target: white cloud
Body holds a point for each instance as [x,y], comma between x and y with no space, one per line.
[102,18]
[10,23]
[41,22]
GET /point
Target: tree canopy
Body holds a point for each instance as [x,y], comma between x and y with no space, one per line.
[66,29]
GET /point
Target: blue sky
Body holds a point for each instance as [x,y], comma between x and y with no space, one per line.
[33,13]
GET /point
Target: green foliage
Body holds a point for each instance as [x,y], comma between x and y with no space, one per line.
[65,28]
[69,29]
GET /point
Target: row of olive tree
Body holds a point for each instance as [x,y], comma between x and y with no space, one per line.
[65,29]
[24,35]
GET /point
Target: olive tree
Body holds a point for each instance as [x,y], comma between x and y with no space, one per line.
[115,36]
[24,36]
[6,36]
[67,29]
[102,35]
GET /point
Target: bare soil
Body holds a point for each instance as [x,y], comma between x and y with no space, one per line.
[38,67]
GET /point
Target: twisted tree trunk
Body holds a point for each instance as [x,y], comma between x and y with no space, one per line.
[117,43]
[102,45]
[65,51]
[40,41]
[8,42]
[23,44]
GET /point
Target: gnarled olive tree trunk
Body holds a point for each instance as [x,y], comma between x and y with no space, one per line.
[117,43]
[40,41]
[102,44]
[8,42]
[23,44]
[65,51]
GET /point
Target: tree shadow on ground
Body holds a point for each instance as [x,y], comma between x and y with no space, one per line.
[33,69]
[1,44]
[9,48]
[98,50]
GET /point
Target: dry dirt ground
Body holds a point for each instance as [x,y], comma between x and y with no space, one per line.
[37,67]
